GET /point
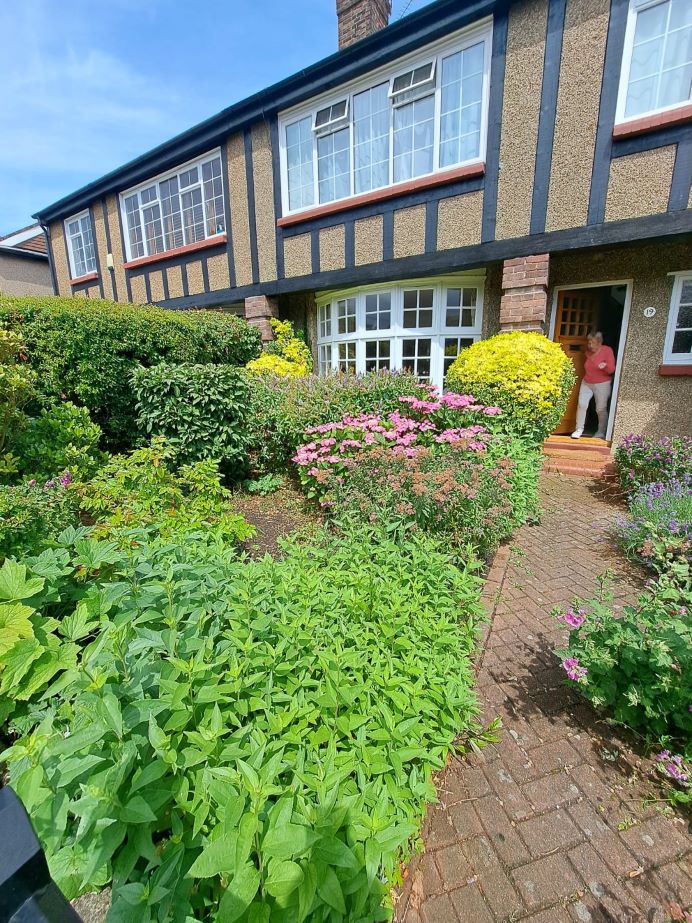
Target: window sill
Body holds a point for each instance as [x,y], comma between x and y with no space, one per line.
[675,368]
[88,277]
[651,122]
[381,195]
[177,251]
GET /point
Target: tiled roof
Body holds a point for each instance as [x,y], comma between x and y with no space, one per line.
[22,239]
[37,244]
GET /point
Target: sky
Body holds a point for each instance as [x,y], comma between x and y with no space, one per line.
[89,84]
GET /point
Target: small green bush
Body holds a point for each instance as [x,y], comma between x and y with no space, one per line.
[34,514]
[201,411]
[658,530]
[526,374]
[84,350]
[142,489]
[237,741]
[282,408]
[17,382]
[61,438]
[641,460]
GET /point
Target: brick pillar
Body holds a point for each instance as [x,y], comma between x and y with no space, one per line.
[524,304]
[259,310]
[360,18]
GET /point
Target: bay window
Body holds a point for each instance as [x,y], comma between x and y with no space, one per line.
[179,208]
[419,327]
[424,114]
[657,60]
[80,245]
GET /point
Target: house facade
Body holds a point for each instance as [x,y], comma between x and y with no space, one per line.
[24,267]
[478,166]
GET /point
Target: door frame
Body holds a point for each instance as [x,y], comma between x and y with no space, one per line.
[623,334]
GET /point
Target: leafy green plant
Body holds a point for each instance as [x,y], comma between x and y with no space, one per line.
[143,488]
[282,408]
[642,460]
[201,411]
[83,350]
[33,514]
[265,485]
[526,374]
[250,741]
[61,438]
[17,383]
[638,664]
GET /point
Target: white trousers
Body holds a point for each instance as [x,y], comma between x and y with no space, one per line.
[600,392]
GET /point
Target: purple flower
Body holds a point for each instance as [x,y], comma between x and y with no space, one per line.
[574,670]
[673,766]
[574,619]
[65,478]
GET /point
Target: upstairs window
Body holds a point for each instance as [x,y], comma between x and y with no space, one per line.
[177,209]
[657,60]
[400,123]
[80,245]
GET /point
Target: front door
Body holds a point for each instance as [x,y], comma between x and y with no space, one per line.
[577,314]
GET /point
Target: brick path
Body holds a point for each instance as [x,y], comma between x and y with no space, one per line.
[548,825]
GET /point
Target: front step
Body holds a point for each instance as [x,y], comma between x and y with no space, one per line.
[585,457]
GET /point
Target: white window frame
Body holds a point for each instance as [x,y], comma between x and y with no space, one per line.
[464,38]
[155,181]
[397,333]
[669,357]
[635,7]
[68,239]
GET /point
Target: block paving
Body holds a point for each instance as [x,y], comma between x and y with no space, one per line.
[554,823]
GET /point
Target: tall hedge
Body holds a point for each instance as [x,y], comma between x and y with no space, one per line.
[85,350]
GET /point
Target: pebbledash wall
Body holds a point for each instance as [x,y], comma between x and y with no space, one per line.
[555,182]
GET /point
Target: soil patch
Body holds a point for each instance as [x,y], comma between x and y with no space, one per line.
[275,516]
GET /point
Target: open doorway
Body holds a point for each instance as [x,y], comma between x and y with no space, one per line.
[576,312]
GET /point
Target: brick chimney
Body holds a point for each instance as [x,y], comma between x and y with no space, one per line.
[360,18]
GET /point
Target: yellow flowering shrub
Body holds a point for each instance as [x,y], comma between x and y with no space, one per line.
[287,355]
[526,374]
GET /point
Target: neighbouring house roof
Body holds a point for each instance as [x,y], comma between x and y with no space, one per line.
[29,241]
[425,25]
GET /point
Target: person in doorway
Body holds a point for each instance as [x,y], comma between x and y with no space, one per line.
[597,383]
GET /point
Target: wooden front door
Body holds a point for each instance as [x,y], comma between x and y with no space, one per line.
[577,314]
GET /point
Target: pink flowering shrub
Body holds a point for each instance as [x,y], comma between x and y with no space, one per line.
[422,466]
[638,665]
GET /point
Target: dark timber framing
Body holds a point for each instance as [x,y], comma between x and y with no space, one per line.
[497,92]
[251,205]
[682,175]
[109,248]
[552,56]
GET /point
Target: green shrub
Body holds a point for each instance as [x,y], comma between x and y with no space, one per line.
[84,350]
[658,530]
[638,663]
[32,515]
[281,408]
[245,740]
[286,354]
[642,460]
[526,374]
[62,438]
[17,383]
[142,489]
[201,411]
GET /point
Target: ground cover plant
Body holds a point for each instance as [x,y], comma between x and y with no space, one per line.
[281,408]
[425,465]
[235,740]
[642,460]
[84,350]
[526,374]
[658,529]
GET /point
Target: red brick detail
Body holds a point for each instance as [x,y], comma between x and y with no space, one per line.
[524,301]
[360,18]
[390,192]
[678,116]
[672,369]
[259,310]
[214,241]
[88,277]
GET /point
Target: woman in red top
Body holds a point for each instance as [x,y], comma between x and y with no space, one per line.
[597,383]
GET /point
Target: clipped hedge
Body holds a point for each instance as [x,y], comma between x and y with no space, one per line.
[84,350]
[201,411]
[526,374]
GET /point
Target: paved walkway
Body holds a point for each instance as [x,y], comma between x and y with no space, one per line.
[548,825]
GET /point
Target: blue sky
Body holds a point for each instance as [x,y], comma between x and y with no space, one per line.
[88,85]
